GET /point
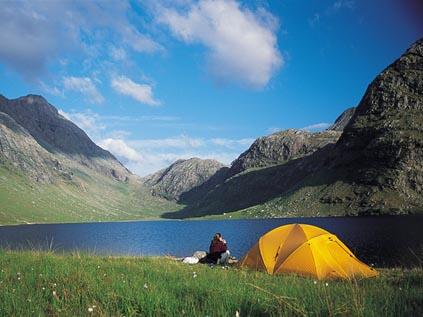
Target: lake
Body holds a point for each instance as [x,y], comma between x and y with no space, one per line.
[381,241]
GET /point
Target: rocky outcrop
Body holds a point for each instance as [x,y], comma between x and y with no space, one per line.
[57,135]
[20,150]
[342,121]
[181,176]
[281,147]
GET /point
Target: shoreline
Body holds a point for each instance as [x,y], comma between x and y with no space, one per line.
[206,218]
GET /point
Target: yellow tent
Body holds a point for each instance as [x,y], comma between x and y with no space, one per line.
[305,250]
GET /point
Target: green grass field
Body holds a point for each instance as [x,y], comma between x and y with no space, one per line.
[34,283]
[86,198]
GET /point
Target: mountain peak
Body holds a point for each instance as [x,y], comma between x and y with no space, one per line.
[58,135]
[182,176]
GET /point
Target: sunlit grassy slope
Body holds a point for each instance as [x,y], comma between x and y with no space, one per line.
[45,284]
[85,198]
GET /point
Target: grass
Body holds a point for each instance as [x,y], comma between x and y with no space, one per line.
[35,283]
[86,198]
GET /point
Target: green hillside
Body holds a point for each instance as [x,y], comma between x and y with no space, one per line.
[81,200]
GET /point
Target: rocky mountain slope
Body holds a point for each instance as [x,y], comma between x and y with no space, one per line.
[50,170]
[181,176]
[342,121]
[376,167]
[56,134]
[283,146]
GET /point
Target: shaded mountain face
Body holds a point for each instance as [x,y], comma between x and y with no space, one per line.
[57,135]
[376,167]
[181,176]
[381,149]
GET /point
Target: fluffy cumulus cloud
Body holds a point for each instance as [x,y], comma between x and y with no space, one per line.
[85,86]
[121,149]
[35,33]
[242,44]
[140,92]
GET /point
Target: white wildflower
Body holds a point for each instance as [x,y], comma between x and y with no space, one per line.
[90,309]
[145,286]
[54,293]
[315,282]
[237,313]
[326,284]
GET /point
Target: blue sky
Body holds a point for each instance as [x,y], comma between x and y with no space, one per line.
[154,81]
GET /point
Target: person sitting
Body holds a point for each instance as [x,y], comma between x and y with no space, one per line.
[218,251]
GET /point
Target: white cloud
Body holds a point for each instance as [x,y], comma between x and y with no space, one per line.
[117,53]
[140,92]
[87,121]
[37,33]
[85,86]
[145,156]
[52,90]
[232,143]
[182,142]
[317,127]
[242,44]
[119,148]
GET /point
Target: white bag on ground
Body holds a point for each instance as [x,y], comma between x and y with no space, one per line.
[190,260]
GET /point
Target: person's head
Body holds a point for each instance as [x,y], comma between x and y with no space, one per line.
[217,236]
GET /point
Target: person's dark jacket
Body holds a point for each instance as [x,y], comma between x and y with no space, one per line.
[216,249]
[217,246]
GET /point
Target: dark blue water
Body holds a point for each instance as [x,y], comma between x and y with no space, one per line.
[382,241]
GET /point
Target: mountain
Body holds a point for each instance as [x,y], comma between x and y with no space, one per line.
[376,166]
[342,121]
[181,176]
[50,171]
[58,135]
[187,181]
[283,146]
